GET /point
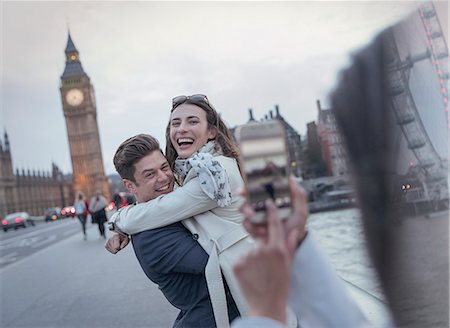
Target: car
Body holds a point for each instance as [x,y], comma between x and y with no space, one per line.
[52,214]
[68,212]
[17,220]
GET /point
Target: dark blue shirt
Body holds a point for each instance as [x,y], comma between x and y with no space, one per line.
[173,259]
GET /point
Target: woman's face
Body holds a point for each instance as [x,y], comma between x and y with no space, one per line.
[189,129]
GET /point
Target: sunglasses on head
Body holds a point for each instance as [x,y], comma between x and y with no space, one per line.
[178,100]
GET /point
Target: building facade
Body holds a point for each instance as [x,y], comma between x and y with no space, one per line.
[7,180]
[80,113]
[30,191]
[331,143]
[35,191]
[293,141]
[314,165]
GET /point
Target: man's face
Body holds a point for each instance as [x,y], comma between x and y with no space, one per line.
[153,177]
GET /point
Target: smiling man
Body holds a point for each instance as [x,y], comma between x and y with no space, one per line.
[170,256]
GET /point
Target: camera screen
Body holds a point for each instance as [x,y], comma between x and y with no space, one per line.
[266,163]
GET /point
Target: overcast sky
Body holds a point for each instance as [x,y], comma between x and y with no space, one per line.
[141,54]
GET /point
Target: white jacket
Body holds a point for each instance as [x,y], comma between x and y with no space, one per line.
[219,231]
[183,203]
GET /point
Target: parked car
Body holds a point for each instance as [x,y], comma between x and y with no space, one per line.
[52,214]
[17,220]
[68,212]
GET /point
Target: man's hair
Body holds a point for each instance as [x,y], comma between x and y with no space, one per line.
[131,151]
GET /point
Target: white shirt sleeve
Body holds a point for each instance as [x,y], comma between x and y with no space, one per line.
[182,203]
[318,295]
[256,322]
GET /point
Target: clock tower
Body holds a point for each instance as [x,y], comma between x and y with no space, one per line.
[80,112]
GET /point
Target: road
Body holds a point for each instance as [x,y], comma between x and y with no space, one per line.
[16,245]
[64,281]
[51,277]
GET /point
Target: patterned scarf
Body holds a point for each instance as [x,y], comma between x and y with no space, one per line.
[213,178]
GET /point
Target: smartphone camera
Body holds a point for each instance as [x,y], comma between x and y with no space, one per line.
[266,165]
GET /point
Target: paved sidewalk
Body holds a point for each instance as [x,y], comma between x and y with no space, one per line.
[77,283]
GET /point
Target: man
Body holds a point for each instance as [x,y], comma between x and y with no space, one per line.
[170,256]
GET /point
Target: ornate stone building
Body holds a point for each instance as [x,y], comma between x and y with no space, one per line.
[314,166]
[80,112]
[294,143]
[333,150]
[7,180]
[30,191]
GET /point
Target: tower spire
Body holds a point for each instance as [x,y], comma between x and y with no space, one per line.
[70,47]
[78,102]
[7,149]
[73,64]
[250,113]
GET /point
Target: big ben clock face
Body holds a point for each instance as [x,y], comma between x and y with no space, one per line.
[74,97]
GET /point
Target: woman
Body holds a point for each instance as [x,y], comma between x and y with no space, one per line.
[201,152]
[97,207]
[81,210]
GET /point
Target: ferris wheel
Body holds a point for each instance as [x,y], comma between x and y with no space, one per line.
[418,76]
[438,47]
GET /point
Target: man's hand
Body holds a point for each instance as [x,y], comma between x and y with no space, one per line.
[296,221]
[265,273]
[116,243]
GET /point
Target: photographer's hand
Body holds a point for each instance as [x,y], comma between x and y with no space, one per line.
[296,221]
[266,270]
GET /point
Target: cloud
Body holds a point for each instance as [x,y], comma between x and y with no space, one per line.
[141,54]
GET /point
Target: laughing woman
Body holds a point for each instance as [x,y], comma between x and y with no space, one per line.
[205,159]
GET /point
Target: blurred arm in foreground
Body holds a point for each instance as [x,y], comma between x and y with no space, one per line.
[387,123]
[288,267]
[393,117]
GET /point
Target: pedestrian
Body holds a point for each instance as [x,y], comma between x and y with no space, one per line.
[81,210]
[97,207]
